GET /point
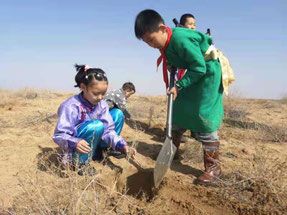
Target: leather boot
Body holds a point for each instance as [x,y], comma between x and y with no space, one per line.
[211,164]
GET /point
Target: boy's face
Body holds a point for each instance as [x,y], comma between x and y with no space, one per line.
[190,23]
[95,91]
[156,39]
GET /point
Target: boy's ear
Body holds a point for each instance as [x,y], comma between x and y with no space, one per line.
[162,27]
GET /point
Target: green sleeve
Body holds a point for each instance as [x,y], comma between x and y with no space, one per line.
[189,50]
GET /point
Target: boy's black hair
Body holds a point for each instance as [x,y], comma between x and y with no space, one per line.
[183,18]
[147,21]
[129,86]
[87,76]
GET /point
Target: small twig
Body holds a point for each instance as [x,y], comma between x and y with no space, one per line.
[82,194]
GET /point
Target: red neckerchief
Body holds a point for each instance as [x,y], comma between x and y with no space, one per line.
[163,57]
[180,74]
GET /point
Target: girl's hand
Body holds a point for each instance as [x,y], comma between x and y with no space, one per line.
[83,147]
[173,91]
[130,152]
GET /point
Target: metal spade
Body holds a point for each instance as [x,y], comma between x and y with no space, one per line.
[168,150]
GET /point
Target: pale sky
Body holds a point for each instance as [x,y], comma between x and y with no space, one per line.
[41,40]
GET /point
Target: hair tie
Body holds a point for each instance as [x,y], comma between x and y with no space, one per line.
[87,67]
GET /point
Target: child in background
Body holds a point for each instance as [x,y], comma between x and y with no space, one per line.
[118,98]
[187,21]
[198,95]
[117,101]
[85,124]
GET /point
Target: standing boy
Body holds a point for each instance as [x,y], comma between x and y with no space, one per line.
[198,95]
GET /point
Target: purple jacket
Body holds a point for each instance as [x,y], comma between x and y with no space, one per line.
[72,113]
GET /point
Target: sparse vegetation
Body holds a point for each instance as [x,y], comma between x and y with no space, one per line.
[253,158]
[259,186]
[45,193]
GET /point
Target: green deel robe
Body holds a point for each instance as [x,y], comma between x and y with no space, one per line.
[199,105]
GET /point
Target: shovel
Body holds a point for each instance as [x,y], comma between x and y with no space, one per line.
[168,150]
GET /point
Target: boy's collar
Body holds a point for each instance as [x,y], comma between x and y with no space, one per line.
[163,57]
[169,33]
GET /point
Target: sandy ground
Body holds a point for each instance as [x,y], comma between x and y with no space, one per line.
[253,156]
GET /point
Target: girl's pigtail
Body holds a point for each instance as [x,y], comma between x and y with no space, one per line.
[80,68]
[80,72]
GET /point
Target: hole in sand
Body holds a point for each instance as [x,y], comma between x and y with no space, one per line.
[141,184]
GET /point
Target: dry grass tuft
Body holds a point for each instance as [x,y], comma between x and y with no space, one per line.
[46,193]
[238,123]
[260,188]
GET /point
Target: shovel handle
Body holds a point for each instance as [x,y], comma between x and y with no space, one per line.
[170,103]
[176,22]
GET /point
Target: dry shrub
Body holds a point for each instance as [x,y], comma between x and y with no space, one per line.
[250,130]
[39,117]
[46,193]
[149,109]
[235,109]
[235,124]
[30,93]
[273,134]
[236,113]
[235,118]
[261,188]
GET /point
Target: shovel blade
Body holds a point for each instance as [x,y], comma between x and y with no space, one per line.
[163,161]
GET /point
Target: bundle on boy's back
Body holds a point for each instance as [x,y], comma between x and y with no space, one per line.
[228,77]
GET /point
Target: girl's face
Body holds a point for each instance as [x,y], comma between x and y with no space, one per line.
[95,91]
